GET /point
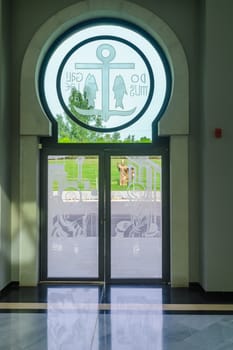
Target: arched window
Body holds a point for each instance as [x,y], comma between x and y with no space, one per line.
[105,81]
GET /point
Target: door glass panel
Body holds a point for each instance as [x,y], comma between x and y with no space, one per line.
[73,216]
[136,242]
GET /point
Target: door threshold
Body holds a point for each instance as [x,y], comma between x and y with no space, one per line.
[73,282]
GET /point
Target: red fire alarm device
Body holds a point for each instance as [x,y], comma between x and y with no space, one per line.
[218,133]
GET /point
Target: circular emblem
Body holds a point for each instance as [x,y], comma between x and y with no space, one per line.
[119,81]
[109,81]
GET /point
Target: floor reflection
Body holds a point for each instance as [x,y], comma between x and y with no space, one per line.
[75,321]
[70,328]
[135,295]
[115,318]
[138,329]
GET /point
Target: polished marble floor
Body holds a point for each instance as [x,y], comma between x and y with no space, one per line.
[71,317]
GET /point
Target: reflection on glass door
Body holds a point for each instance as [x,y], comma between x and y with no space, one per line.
[136,240]
[72,243]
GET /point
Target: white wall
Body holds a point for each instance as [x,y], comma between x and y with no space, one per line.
[217,155]
[206,35]
[207,41]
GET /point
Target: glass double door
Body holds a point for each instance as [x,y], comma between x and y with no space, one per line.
[104,219]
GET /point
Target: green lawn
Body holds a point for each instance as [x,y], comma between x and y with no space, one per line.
[84,173]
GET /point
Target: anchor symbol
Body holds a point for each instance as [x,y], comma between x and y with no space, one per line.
[106,54]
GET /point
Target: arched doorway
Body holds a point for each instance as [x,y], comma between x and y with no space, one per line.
[106,194]
[174,124]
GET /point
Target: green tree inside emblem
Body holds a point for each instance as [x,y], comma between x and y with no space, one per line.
[71,132]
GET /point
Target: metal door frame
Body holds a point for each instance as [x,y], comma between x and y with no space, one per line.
[104,152]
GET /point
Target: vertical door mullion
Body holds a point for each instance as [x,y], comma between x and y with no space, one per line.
[165,215]
[43,215]
[101,219]
[107,205]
